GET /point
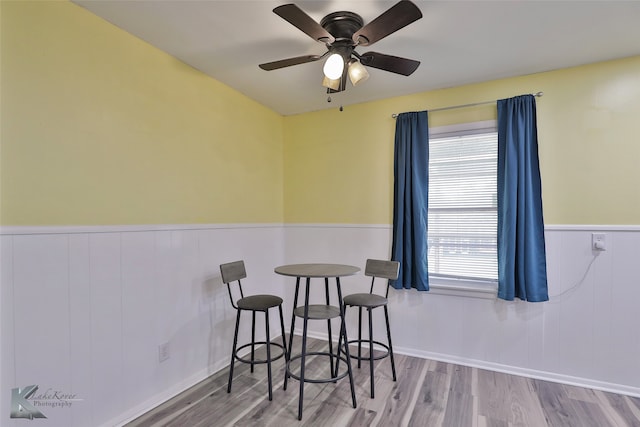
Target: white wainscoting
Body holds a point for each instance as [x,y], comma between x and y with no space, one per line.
[83,310]
[586,334]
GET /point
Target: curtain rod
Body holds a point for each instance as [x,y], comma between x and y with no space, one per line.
[538,94]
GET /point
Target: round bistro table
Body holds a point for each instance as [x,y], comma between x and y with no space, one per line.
[324,311]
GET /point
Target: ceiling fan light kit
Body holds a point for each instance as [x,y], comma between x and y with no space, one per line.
[342,32]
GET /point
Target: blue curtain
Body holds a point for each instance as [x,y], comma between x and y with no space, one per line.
[411,176]
[522,269]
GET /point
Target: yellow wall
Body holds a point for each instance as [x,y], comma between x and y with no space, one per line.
[99,127]
[339,165]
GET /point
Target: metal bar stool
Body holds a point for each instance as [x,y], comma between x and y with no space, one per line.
[234,272]
[375,269]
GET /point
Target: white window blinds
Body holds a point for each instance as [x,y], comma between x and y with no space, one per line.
[462,219]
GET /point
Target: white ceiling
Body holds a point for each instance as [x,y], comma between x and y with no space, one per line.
[457,42]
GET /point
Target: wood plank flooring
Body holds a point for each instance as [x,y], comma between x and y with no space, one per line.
[427,393]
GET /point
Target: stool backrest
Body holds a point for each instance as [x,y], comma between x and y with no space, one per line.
[381,269]
[233,272]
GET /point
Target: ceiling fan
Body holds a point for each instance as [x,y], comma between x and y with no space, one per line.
[342,32]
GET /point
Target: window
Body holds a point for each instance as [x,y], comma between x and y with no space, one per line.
[463,216]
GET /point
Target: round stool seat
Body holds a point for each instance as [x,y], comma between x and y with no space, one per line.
[259,302]
[365,300]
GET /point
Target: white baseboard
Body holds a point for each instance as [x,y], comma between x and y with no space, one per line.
[166,395]
[524,372]
[512,370]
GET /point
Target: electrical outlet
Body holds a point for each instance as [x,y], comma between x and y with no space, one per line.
[163,352]
[599,241]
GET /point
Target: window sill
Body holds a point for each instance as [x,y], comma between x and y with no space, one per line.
[466,289]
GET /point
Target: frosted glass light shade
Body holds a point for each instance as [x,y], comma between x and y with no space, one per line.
[331,83]
[334,66]
[357,72]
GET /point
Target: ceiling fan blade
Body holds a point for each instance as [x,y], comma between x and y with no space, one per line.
[269,66]
[398,16]
[394,64]
[299,19]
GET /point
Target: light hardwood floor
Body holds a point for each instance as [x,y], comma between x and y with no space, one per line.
[427,393]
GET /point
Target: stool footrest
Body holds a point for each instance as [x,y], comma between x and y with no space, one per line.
[378,357]
[258,361]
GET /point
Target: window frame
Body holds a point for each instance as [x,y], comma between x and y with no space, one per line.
[460,286]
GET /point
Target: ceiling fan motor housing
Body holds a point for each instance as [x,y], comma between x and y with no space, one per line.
[342,25]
